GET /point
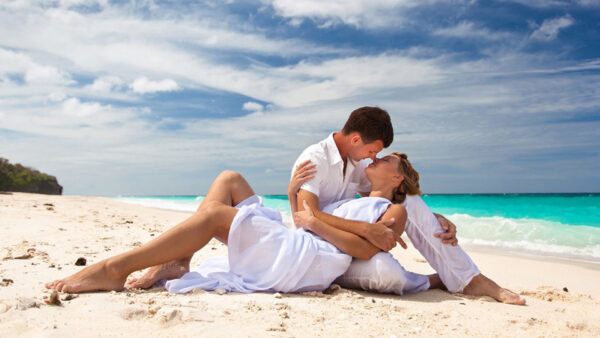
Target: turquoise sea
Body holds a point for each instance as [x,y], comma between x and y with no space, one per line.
[566,225]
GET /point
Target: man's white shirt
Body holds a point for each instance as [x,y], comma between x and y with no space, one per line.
[330,184]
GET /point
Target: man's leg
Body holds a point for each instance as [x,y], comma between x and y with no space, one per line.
[229,188]
[176,243]
[455,268]
[453,265]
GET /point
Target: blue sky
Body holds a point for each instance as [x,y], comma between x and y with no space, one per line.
[157,97]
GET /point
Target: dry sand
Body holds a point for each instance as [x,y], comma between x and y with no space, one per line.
[42,236]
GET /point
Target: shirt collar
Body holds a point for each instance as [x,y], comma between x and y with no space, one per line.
[333,151]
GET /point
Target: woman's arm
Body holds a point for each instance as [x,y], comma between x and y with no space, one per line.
[350,243]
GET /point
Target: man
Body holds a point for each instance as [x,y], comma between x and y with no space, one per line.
[340,161]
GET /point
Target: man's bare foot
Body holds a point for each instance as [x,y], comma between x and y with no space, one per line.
[98,277]
[482,286]
[171,270]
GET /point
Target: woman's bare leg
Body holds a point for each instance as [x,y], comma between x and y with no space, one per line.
[480,285]
[176,243]
[228,188]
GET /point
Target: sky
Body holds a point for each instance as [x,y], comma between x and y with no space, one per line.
[157,97]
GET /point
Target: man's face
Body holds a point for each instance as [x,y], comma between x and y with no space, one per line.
[360,150]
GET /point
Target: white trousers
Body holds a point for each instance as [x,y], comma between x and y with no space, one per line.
[383,273]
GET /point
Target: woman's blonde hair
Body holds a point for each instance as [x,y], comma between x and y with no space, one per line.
[410,183]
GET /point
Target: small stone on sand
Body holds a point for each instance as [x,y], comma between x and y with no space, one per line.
[70,297]
[54,300]
[6,282]
[81,261]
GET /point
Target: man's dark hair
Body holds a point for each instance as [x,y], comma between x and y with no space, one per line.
[372,123]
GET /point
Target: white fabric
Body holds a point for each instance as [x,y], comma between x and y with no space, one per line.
[455,267]
[383,273]
[264,255]
[330,184]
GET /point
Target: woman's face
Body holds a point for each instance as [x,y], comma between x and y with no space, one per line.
[385,168]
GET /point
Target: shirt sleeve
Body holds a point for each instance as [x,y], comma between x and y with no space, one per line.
[314,184]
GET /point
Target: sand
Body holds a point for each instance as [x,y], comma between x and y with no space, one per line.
[41,237]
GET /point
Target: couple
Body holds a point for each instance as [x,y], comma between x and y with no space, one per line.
[339,238]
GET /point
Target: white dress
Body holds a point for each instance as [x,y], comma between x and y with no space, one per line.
[265,255]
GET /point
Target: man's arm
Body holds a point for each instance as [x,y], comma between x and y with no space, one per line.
[377,233]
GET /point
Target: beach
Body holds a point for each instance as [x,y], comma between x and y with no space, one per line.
[43,236]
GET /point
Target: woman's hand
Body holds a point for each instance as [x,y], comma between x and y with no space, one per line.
[304,219]
[304,172]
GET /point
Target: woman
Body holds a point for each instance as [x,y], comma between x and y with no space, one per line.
[381,272]
[264,255]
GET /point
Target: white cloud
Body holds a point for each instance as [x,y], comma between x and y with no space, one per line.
[74,107]
[589,3]
[358,13]
[57,97]
[252,106]
[143,85]
[46,74]
[556,3]
[467,29]
[549,29]
[30,70]
[541,3]
[105,84]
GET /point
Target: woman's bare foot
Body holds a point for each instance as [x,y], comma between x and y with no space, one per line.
[98,277]
[482,286]
[171,270]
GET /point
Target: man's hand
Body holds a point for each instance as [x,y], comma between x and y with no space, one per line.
[448,237]
[381,236]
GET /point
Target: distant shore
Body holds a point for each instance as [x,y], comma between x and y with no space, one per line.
[43,236]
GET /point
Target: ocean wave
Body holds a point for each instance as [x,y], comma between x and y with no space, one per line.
[533,235]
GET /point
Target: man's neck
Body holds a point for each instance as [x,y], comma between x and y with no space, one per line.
[341,142]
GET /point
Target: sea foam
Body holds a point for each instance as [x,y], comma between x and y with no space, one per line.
[534,235]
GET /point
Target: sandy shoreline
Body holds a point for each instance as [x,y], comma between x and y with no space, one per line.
[42,236]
